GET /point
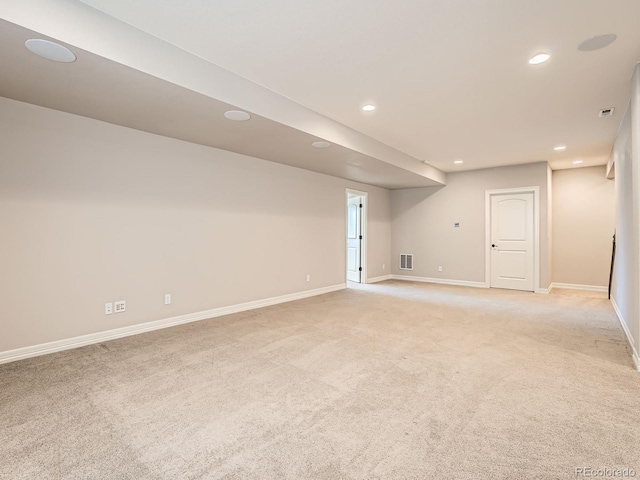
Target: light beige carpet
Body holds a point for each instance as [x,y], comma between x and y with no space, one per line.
[388,381]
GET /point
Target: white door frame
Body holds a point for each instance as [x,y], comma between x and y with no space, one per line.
[363,231]
[536,232]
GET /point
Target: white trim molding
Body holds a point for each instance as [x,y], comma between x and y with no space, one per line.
[379,279]
[93,338]
[634,352]
[442,281]
[536,232]
[575,286]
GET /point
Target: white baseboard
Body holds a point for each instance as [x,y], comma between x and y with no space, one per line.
[75,342]
[379,279]
[573,286]
[443,281]
[636,358]
[467,283]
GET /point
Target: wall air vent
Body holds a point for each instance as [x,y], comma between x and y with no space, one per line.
[406,261]
[606,112]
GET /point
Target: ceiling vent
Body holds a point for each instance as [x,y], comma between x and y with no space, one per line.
[406,261]
[606,112]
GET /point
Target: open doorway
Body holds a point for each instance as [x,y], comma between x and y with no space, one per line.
[356,236]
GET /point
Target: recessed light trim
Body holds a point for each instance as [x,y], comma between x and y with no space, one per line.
[50,50]
[237,116]
[369,107]
[577,162]
[560,148]
[458,162]
[597,42]
[321,144]
[539,58]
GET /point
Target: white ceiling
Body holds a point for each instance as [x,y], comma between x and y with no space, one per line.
[105,90]
[450,79]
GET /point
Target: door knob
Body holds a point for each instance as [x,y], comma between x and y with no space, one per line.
[493,245]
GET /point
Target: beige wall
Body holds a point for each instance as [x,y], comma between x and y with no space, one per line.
[92,213]
[423,222]
[583,226]
[625,292]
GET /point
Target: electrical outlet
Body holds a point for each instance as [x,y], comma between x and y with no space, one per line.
[383,266]
[108,308]
[167,299]
[120,306]
[440,269]
[308,278]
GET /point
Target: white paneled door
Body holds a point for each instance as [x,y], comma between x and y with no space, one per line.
[354,238]
[512,241]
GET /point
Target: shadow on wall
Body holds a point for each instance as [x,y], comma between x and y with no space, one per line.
[412,197]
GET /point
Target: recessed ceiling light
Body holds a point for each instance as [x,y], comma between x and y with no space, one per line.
[539,58]
[321,144]
[576,162]
[50,50]
[597,42]
[369,108]
[560,148]
[237,115]
[458,162]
